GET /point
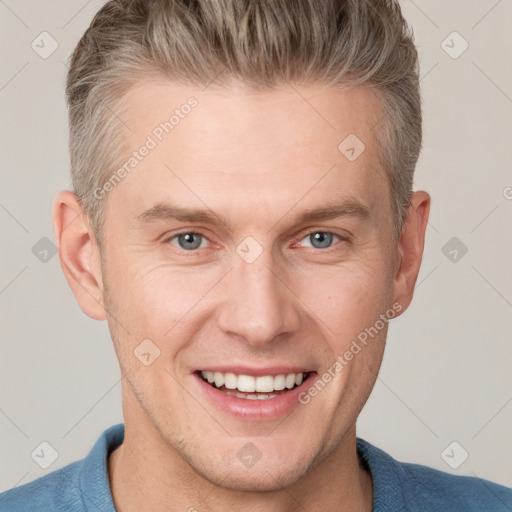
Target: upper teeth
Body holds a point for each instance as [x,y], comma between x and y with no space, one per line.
[250,384]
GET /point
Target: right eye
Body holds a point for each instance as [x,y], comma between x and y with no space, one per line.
[188,241]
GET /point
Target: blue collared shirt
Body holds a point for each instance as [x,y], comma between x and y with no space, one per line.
[83,486]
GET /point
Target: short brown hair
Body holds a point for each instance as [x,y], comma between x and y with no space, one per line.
[260,42]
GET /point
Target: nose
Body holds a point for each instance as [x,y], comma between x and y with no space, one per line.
[258,304]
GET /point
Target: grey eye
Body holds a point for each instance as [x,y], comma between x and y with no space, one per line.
[320,239]
[189,241]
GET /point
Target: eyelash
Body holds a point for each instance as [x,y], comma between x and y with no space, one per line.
[194,252]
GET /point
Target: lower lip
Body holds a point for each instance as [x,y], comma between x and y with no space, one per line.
[269,409]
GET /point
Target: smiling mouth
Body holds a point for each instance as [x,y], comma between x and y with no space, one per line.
[253,388]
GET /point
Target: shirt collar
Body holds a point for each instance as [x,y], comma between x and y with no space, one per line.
[93,480]
[95,489]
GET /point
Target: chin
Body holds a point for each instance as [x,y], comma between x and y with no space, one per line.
[264,479]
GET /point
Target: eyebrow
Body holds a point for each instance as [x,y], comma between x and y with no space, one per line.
[167,211]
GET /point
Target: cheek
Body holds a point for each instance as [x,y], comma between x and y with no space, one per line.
[155,301]
[347,299]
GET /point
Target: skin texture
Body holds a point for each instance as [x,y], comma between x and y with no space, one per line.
[258,160]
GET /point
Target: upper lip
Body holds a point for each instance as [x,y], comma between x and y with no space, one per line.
[255,372]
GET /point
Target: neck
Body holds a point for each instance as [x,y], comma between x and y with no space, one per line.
[147,474]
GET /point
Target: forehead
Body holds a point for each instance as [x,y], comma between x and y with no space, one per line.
[281,116]
[251,148]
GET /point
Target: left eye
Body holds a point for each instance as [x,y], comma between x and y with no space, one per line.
[321,239]
[188,241]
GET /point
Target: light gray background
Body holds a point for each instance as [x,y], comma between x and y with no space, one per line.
[446,374]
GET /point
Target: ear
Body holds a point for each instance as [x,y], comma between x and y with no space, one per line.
[410,248]
[79,254]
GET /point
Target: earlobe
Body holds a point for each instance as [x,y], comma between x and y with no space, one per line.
[410,248]
[79,255]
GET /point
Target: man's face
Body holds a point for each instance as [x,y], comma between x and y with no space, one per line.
[260,293]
